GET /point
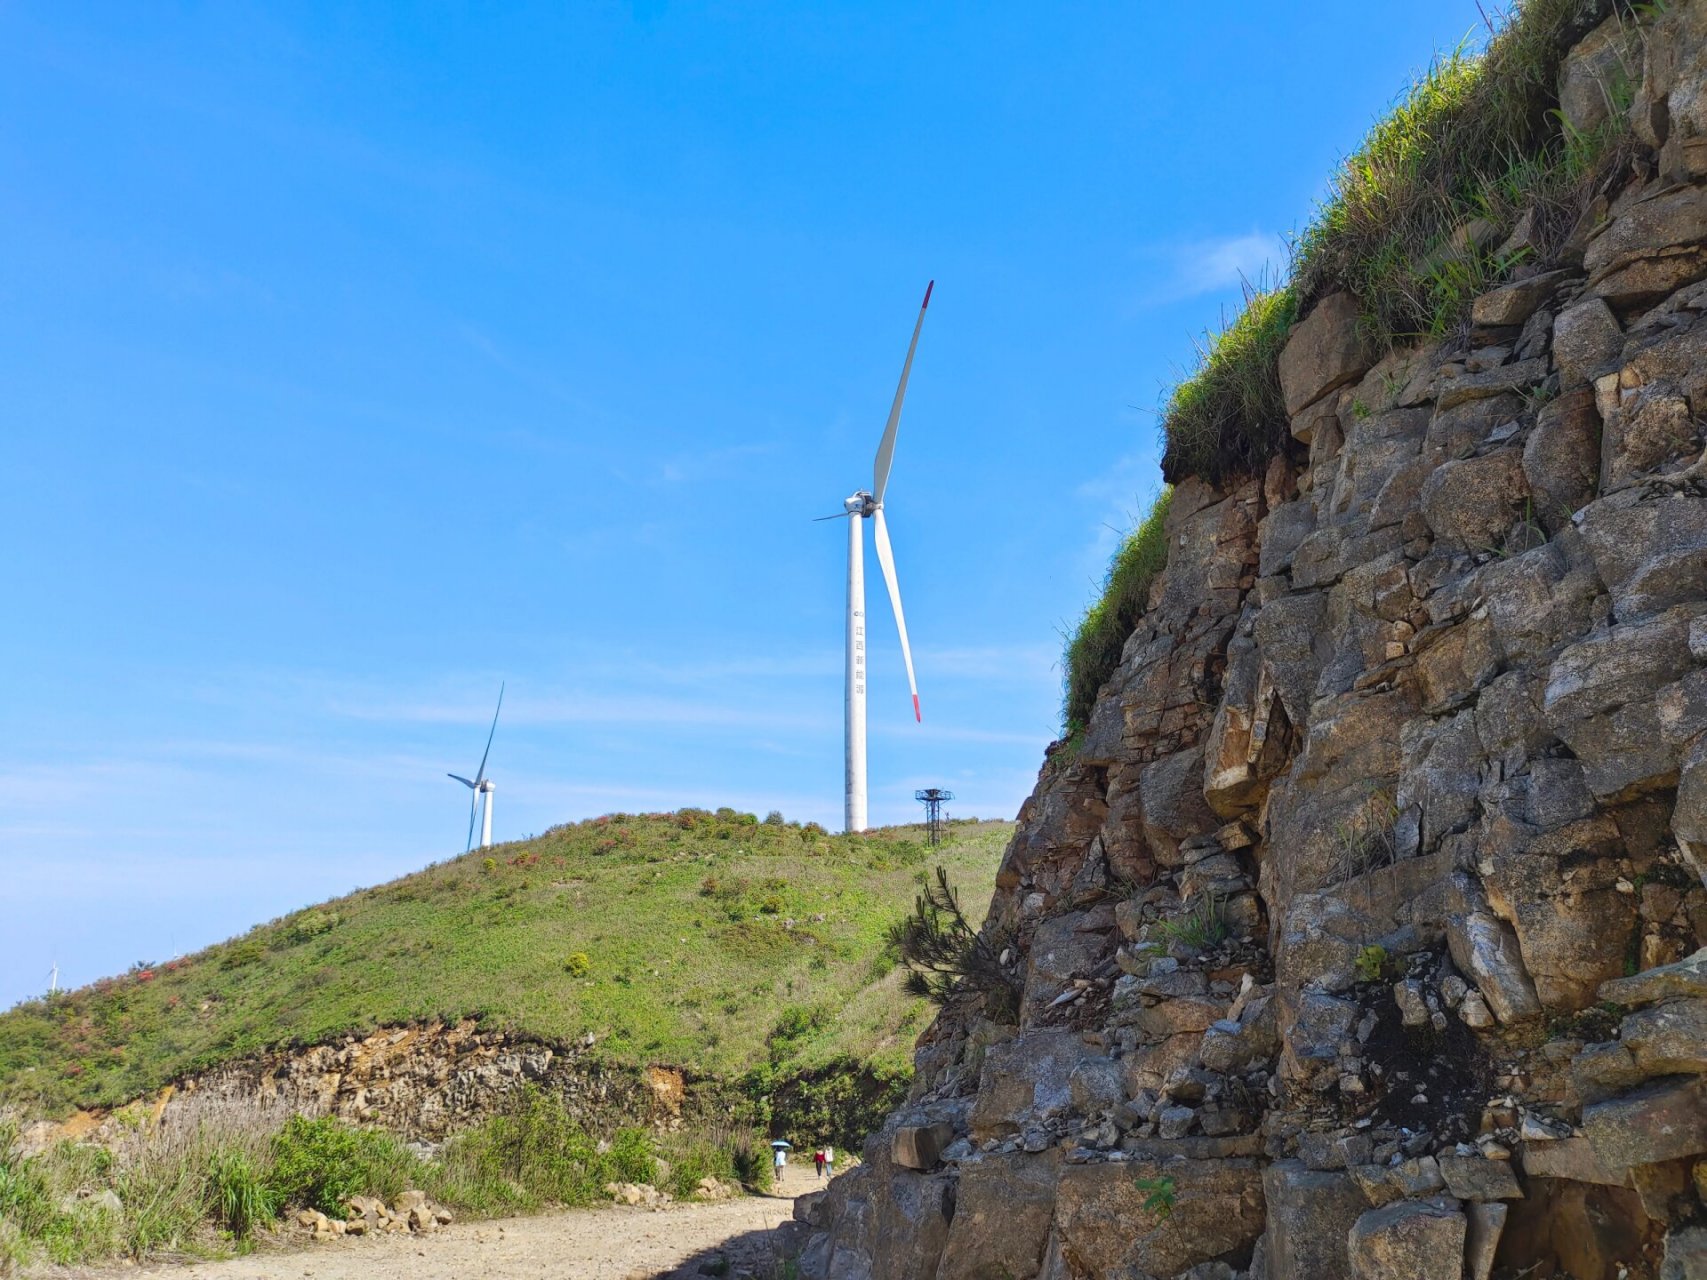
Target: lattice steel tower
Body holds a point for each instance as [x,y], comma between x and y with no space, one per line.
[933,798]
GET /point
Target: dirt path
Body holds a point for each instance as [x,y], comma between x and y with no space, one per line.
[579,1244]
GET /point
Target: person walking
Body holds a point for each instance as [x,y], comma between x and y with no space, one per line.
[776,1153]
[829,1161]
[818,1160]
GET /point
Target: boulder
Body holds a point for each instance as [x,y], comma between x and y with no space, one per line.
[1487,953]
[1026,1080]
[1096,1085]
[1060,951]
[1408,1240]
[1650,552]
[1472,502]
[1002,1215]
[1477,1178]
[1310,1214]
[1510,305]
[1662,1121]
[1600,700]
[1668,1038]
[1596,70]
[1650,250]
[1561,459]
[1455,386]
[1484,1224]
[1571,1159]
[1173,804]
[1587,340]
[1687,977]
[920,1146]
[1113,1220]
[1325,351]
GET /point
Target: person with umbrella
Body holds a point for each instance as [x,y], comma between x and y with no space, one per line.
[779,1150]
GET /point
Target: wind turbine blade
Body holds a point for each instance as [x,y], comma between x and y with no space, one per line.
[465,782]
[886,558]
[886,447]
[473,802]
[481,775]
[840,515]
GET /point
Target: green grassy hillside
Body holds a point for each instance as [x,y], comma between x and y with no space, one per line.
[712,942]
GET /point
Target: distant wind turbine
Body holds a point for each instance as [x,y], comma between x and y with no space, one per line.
[481,786]
[857,509]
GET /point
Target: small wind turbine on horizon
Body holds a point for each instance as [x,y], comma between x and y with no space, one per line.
[481,786]
[859,507]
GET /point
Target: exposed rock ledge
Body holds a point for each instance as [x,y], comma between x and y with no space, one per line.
[1422,712]
[423,1082]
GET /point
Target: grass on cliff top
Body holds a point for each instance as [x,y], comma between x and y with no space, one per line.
[1410,229]
[1470,146]
[1093,650]
[711,942]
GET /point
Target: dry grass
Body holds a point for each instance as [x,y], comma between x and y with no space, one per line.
[1412,225]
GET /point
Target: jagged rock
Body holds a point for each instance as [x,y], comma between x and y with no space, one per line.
[1668,1038]
[1652,249]
[1472,501]
[1586,340]
[1096,1085]
[1108,1227]
[1025,1080]
[1484,949]
[1309,1216]
[1483,1225]
[1650,553]
[1661,1121]
[1596,70]
[1573,1159]
[1475,1178]
[1409,1240]
[1688,977]
[1512,304]
[1413,1005]
[1419,1176]
[1002,1215]
[1326,351]
[1060,951]
[920,1146]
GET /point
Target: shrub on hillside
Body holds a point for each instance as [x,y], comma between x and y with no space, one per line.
[317,1164]
[532,1154]
[945,955]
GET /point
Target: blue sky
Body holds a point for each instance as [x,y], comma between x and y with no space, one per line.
[354,358]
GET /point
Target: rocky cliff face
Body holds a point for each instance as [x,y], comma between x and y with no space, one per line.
[1362,937]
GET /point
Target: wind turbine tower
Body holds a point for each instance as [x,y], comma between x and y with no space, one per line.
[857,509]
[481,787]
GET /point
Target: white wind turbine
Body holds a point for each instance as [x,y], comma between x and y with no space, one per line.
[857,509]
[481,786]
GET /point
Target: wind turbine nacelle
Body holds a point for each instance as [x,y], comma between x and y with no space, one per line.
[860,504]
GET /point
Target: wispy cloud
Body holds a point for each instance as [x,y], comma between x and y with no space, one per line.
[1193,268]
